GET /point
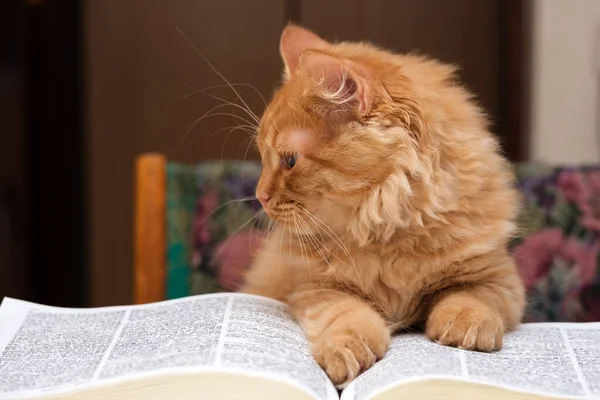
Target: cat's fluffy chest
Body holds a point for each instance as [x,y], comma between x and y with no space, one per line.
[399,284]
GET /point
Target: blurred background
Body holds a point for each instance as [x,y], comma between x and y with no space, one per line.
[86,86]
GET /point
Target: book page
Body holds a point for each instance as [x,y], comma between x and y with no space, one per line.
[410,355]
[550,359]
[48,350]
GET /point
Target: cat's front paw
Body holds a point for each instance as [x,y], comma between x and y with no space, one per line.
[345,352]
[467,327]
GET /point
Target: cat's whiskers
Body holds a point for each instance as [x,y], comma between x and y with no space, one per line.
[225,142]
[270,228]
[212,67]
[322,242]
[193,124]
[249,140]
[337,241]
[302,250]
[342,262]
[324,246]
[205,92]
[210,113]
[280,242]
[315,244]
[230,103]
[299,239]
[256,133]
[251,127]
[222,86]
[256,215]
[316,221]
[261,229]
[256,220]
[290,244]
[250,198]
[245,107]
[253,137]
[215,114]
[312,240]
[245,128]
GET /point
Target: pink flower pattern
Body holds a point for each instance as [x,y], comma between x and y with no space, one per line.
[559,262]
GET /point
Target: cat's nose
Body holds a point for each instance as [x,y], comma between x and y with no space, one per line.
[263,198]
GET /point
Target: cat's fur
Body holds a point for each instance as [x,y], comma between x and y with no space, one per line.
[397,212]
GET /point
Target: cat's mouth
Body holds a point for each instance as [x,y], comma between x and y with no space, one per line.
[283,212]
[296,218]
[290,212]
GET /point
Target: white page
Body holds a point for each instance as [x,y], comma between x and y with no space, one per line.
[47,349]
[263,336]
[584,342]
[410,355]
[69,361]
[550,359]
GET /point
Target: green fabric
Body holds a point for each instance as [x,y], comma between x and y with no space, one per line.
[180,201]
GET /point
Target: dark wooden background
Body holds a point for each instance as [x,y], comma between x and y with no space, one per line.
[85,86]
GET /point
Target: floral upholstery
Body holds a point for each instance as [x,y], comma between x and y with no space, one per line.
[556,251]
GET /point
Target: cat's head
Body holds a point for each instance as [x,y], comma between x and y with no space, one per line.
[350,137]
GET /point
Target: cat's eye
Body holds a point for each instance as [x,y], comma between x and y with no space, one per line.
[290,159]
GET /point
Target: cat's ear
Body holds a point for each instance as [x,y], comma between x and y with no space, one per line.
[294,41]
[344,84]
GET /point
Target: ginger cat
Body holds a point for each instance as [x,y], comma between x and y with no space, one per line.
[393,205]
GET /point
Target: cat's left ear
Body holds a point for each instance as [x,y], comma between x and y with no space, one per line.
[343,83]
[294,41]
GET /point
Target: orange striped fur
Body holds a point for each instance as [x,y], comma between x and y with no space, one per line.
[394,205]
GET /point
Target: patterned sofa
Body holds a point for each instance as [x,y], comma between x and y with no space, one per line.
[214,232]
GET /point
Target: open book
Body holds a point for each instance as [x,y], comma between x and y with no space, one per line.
[233,346]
